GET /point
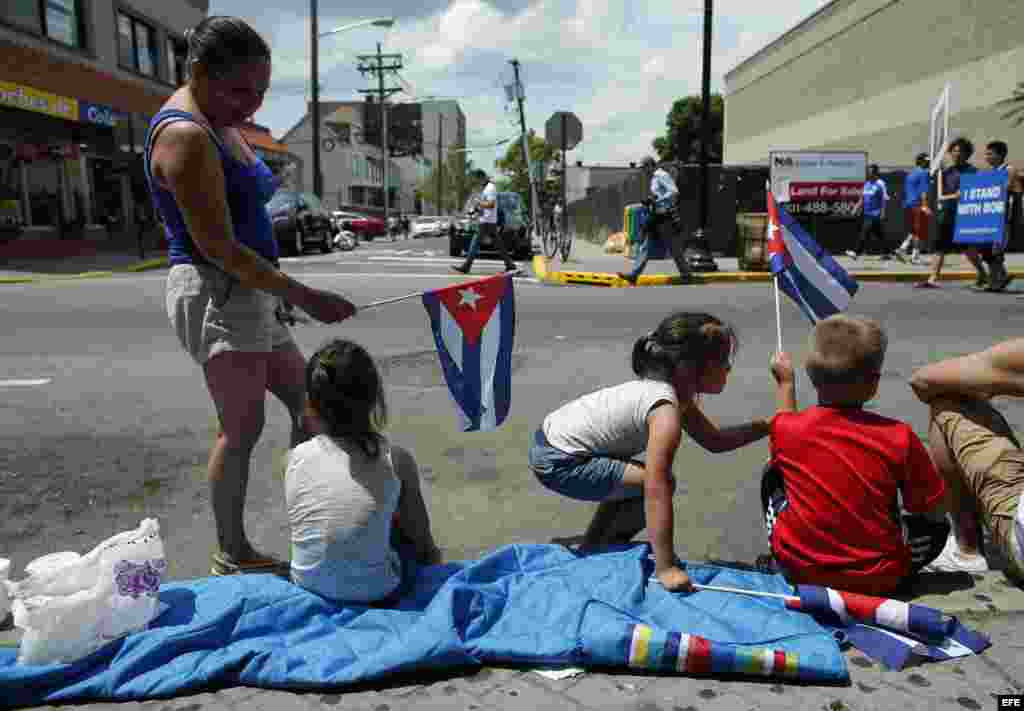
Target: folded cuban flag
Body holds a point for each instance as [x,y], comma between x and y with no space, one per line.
[890,631]
[803,270]
[474,328]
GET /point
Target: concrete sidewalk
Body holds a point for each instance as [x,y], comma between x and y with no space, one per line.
[588,264]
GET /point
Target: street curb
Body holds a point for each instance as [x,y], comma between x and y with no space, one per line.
[143,266]
[697,278]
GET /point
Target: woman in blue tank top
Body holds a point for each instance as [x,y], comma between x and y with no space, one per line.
[224,288]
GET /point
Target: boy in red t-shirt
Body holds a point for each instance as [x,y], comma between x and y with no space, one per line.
[839,475]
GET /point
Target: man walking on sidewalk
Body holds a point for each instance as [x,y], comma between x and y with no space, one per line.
[872,202]
[487,226]
[662,201]
[915,205]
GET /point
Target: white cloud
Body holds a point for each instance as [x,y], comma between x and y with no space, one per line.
[617,65]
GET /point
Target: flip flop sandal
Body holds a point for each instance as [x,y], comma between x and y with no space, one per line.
[925,285]
[223,564]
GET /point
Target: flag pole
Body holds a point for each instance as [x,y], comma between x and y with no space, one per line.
[775,281]
[421,293]
[389,301]
[778,313]
[741,591]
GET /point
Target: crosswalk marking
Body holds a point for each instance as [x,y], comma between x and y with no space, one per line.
[24,382]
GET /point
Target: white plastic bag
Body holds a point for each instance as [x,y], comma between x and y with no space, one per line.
[5,605]
[70,605]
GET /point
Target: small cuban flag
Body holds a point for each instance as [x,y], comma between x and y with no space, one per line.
[474,327]
[803,270]
[891,631]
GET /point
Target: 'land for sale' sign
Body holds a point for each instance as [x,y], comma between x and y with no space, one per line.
[818,183]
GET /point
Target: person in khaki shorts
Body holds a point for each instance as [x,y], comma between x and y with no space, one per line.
[977,453]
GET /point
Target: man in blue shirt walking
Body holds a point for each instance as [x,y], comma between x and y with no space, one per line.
[915,206]
[873,202]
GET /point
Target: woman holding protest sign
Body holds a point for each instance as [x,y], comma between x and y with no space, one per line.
[959,153]
[224,288]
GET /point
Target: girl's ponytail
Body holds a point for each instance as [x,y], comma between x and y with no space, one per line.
[692,340]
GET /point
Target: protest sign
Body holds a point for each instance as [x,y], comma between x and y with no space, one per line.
[939,129]
[818,183]
[981,211]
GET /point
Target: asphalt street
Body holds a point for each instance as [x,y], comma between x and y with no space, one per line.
[106,421]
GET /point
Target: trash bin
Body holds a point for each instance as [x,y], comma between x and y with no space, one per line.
[752,241]
[633,219]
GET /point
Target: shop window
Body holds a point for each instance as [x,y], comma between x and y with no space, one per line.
[24,13]
[11,213]
[177,61]
[60,20]
[44,186]
[137,48]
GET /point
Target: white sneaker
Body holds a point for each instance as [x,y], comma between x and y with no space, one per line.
[951,560]
[851,254]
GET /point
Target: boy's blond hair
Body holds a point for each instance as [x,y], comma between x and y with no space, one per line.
[846,350]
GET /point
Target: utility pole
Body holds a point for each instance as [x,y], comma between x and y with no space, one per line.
[526,147]
[699,256]
[378,67]
[314,35]
[440,159]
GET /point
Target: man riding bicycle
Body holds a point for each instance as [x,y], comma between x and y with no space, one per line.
[660,205]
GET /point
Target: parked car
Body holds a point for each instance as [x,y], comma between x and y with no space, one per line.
[516,230]
[428,226]
[299,221]
[365,226]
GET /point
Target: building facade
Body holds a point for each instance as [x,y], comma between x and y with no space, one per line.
[79,82]
[444,133]
[353,168]
[864,74]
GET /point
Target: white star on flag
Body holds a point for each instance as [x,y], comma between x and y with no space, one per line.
[468,296]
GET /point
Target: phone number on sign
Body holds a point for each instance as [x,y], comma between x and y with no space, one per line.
[823,207]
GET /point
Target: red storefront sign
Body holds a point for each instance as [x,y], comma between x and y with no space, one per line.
[828,192]
[33,151]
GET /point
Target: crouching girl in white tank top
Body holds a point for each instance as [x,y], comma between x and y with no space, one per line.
[585,449]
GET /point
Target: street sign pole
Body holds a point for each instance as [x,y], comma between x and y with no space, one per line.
[565,212]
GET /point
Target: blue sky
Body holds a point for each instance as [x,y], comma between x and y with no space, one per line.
[617,64]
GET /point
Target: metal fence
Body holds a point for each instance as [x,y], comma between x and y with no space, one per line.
[736,190]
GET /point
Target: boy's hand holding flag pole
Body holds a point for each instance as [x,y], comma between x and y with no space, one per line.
[803,270]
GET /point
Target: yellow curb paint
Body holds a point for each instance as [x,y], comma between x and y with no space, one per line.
[17,280]
[613,280]
[157,263]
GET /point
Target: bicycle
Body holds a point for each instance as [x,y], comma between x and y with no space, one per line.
[548,240]
[564,244]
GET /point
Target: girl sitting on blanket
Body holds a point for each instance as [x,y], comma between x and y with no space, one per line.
[354,502]
[585,449]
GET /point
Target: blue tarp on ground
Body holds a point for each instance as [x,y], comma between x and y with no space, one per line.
[521,605]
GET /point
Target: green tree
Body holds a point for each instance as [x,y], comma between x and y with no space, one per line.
[681,141]
[513,166]
[453,177]
[1016,105]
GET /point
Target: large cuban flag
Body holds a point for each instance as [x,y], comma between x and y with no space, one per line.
[803,270]
[474,327]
